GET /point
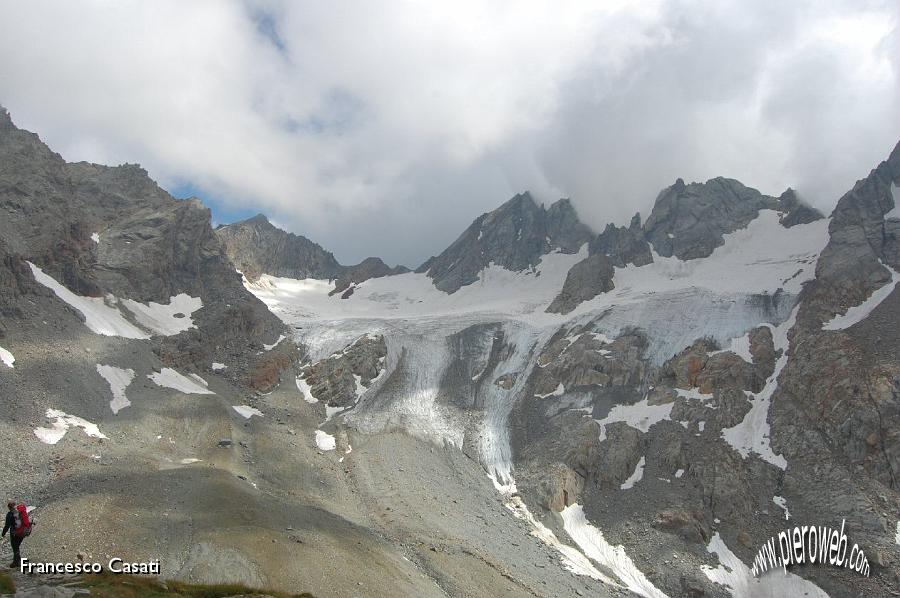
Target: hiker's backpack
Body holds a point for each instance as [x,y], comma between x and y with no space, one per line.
[23,522]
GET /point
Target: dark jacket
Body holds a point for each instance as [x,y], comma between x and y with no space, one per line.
[10,523]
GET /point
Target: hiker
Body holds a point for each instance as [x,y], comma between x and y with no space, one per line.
[18,525]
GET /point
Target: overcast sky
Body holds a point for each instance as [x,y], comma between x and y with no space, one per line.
[385,128]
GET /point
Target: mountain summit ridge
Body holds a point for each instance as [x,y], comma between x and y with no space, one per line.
[513,236]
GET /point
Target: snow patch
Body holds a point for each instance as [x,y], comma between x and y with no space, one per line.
[360,389]
[740,581]
[897,537]
[218,366]
[275,344]
[303,387]
[118,380]
[679,473]
[635,477]
[782,504]
[591,541]
[199,379]
[557,392]
[166,319]
[641,416]
[859,312]
[325,441]
[246,411]
[6,357]
[169,378]
[60,424]
[332,411]
[895,211]
[693,393]
[740,346]
[95,237]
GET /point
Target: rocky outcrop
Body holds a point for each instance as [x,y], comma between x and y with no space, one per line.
[795,211]
[514,236]
[339,379]
[371,267]
[586,279]
[586,359]
[703,367]
[267,369]
[689,524]
[561,487]
[257,247]
[622,245]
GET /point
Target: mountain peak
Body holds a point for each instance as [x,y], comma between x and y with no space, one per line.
[258,219]
[523,199]
[515,236]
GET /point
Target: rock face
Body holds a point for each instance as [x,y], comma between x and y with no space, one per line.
[256,247]
[515,236]
[586,279]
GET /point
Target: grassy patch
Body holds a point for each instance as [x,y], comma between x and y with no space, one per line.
[6,584]
[109,585]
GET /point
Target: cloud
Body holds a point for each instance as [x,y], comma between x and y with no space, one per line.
[385,128]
